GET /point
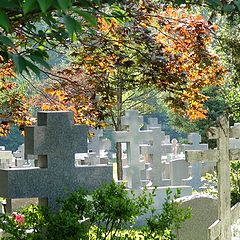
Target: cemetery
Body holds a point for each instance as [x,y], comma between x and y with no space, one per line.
[47,168]
[119,120]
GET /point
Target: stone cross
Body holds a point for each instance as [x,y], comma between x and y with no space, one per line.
[98,145]
[196,167]
[133,137]
[55,139]
[221,228]
[153,123]
[155,152]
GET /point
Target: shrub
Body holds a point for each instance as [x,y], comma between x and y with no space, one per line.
[107,213]
[210,183]
[163,225]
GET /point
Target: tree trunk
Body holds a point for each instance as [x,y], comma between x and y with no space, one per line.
[119,127]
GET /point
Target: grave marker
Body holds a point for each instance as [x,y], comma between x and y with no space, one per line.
[221,228]
[155,153]
[133,137]
[153,123]
[55,139]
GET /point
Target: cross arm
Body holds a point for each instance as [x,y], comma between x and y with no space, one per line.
[211,155]
[214,230]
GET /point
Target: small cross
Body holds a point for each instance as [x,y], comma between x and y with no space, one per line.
[153,123]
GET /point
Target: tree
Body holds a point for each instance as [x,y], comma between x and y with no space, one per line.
[26,43]
[166,49]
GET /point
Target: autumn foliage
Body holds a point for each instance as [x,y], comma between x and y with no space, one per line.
[153,45]
[14,105]
[165,47]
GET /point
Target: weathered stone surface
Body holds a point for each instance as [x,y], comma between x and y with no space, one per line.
[221,228]
[204,209]
[54,140]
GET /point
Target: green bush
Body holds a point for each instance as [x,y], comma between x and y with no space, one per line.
[210,183]
[166,223]
[107,213]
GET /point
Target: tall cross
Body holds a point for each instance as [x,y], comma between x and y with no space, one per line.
[55,139]
[221,228]
[133,137]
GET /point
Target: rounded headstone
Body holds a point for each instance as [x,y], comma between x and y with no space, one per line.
[204,210]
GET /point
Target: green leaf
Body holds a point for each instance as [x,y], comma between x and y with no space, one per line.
[40,61]
[4,22]
[179,2]
[8,4]
[32,67]
[19,62]
[237,3]
[87,16]
[64,4]
[44,5]
[72,25]
[6,41]
[98,2]
[228,8]
[215,3]
[28,5]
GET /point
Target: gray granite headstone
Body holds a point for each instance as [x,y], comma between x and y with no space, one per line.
[55,139]
[204,209]
[179,170]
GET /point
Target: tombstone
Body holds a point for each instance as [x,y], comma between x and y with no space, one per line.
[55,139]
[98,145]
[204,211]
[155,153]
[159,199]
[153,123]
[166,139]
[19,156]
[133,137]
[170,147]
[221,228]
[197,169]
[6,159]
[179,170]
[234,142]
[81,159]
[23,160]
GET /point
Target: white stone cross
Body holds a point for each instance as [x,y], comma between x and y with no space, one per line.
[221,228]
[98,145]
[155,152]
[133,137]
